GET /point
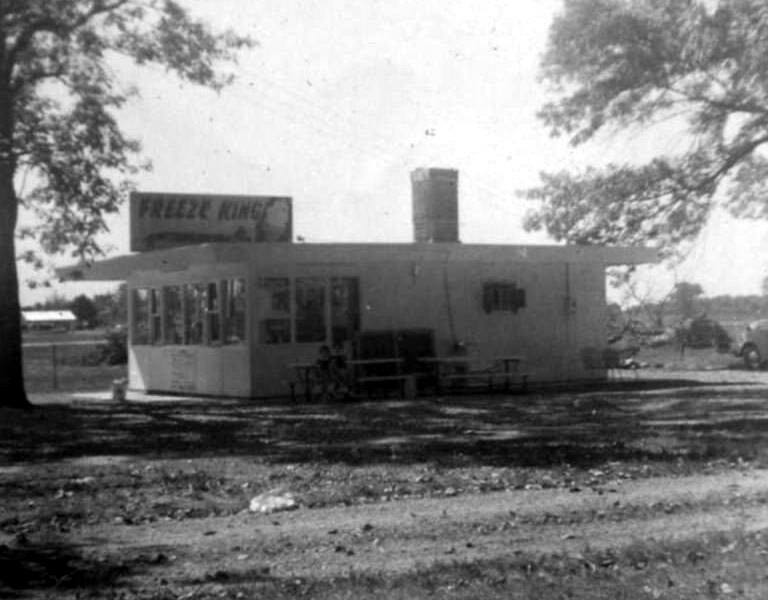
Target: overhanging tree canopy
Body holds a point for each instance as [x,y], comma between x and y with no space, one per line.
[58,97]
[616,65]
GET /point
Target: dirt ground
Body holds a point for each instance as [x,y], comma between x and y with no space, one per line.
[655,487]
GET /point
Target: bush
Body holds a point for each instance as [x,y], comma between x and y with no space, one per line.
[115,348]
[703,332]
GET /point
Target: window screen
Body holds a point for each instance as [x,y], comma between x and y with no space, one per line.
[503,296]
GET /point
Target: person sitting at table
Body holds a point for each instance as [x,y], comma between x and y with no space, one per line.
[330,374]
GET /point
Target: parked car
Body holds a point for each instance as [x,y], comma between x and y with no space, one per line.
[754,345]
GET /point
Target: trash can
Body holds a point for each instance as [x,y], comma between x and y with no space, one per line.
[119,387]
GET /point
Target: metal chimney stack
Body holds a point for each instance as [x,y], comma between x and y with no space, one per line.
[435,205]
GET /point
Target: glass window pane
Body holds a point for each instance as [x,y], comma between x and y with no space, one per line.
[156,322]
[140,328]
[195,313]
[213,297]
[310,309]
[275,331]
[345,309]
[234,302]
[212,313]
[174,317]
[275,324]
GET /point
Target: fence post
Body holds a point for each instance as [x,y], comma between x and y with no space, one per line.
[55,374]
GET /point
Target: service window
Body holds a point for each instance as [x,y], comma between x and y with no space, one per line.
[275,326]
[155,318]
[174,315]
[502,296]
[233,302]
[195,301]
[213,314]
[345,309]
[140,317]
[310,309]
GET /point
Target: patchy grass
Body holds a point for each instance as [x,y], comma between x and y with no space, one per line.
[70,374]
[66,469]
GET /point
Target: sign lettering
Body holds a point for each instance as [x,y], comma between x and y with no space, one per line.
[168,220]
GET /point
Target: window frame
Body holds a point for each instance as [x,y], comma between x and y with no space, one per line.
[328,308]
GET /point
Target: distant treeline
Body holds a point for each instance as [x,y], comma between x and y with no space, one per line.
[725,309]
[101,310]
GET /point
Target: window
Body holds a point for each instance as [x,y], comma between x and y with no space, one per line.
[155,318]
[174,315]
[345,309]
[140,328]
[233,302]
[195,313]
[503,297]
[276,325]
[310,309]
[213,314]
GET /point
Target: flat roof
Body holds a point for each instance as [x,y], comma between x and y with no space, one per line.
[119,268]
[38,316]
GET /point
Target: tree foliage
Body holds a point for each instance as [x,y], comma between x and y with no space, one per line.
[616,65]
[684,299]
[59,97]
[66,138]
[85,310]
[112,307]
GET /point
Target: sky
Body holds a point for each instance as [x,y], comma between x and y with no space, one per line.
[341,100]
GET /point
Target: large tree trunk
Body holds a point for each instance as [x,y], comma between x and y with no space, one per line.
[12,392]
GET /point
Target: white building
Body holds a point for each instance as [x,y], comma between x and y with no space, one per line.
[48,319]
[231,318]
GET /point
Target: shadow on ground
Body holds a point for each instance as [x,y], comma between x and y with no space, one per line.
[54,567]
[644,420]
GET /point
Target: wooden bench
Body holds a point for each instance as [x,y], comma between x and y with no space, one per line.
[361,375]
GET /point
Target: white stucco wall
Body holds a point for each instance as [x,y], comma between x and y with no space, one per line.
[401,287]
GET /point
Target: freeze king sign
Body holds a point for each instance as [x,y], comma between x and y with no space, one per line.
[167,220]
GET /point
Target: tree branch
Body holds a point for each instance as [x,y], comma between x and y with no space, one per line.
[57,28]
[36,76]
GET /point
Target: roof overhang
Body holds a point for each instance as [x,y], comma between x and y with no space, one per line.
[120,268]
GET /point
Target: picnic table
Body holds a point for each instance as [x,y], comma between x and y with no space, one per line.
[367,371]
[457,369]
[511,366]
